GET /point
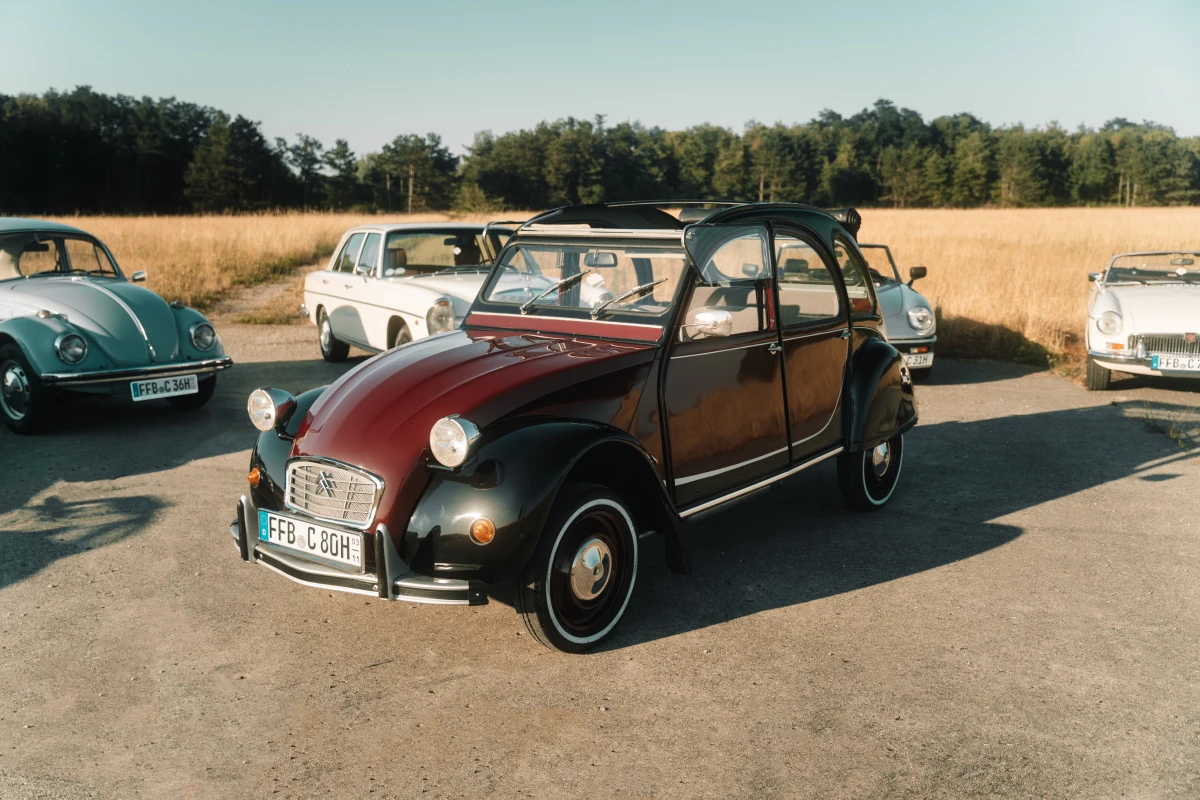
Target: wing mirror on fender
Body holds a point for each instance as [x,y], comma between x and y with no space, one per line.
[139,276]
[915,274]
[711,323]
[1093,277]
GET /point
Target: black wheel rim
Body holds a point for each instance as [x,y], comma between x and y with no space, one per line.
[591,572]
[881,468]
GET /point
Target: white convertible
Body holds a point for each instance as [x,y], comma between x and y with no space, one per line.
[1144,317]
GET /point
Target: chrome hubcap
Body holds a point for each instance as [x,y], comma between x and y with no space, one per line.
[14,391]
[591,569]
[881,459]
[326,334]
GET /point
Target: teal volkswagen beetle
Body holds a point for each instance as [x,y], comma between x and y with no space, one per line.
[70,321]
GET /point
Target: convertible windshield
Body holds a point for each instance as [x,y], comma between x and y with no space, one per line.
[422,252]
[622,276]
[879,261]
[25,255]
[1155,268]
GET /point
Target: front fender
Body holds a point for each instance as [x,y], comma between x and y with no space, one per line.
[185,319]
[272,451]
[35,336]
[882,402]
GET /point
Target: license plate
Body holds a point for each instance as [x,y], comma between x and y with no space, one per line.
[919,359]
[311,538]
[164,387]
[1180,363]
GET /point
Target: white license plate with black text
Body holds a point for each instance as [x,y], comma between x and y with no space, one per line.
[164,387]
[918,360]
[1180,363]
[311,538]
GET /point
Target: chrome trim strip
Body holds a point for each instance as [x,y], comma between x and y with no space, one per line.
[720,350]
[755,486]
[1118,357]
[137,373]
[838,331]
[919,340]
[314,584]
[117,299]
[576,231]
[360,526]
[701,476]
[586,321]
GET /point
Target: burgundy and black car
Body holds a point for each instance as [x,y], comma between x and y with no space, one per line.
[538,444]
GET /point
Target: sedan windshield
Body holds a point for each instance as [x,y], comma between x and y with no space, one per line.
[27,255]
[409,252]
[1154,268]
[624,277]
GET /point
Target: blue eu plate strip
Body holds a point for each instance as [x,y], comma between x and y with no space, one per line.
[262,525]
[1153,362]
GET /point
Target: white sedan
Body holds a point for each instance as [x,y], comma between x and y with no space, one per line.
[1144,317]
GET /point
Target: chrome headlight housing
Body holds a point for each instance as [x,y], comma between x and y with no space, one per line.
[1109,323]
[71,348]
[920,319]
[270,408]
[450,439]
[440,317]
[204,337]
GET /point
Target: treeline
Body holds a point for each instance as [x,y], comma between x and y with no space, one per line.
[82,151]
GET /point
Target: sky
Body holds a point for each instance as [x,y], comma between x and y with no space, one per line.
[367,71]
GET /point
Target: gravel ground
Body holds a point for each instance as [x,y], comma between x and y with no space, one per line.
[1022,621]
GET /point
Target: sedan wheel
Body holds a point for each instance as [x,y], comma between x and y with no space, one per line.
[25,404]
[867,479]
[331,348]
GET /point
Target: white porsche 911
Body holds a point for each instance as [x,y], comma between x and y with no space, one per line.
[1144,317]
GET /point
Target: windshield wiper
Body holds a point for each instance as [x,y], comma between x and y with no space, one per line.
[570,279]
[637,291]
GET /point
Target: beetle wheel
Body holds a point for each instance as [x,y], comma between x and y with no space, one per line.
[867,479]
[25,403]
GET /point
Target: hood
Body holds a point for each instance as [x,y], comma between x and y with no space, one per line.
[105,309]
[459,288]
[1157,309]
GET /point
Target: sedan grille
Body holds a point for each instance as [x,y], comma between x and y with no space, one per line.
[332,493]
[1166,344]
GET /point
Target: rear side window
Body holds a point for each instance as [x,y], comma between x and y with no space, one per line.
[854,274]
[807,290]
[347,258]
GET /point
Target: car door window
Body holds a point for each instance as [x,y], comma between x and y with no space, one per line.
[808,292]
[733,278]
[349,255]
[854,274]
[370,254]
[89,257]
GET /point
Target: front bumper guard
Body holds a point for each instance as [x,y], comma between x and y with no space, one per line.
[392,580]
[204,367]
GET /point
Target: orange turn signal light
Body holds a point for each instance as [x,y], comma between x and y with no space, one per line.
[254,477]
[483,530]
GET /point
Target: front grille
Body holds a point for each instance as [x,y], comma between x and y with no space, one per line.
[1166,344]
[332,493]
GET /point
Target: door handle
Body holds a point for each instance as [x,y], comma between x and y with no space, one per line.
[348,285]
[324,281]
[846,334]
[775,347]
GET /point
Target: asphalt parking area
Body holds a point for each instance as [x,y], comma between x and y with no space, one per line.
[1022,620]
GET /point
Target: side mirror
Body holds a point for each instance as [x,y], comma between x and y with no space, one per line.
[711,323]
[362,271]
[915,274]
[751,270]
[1094,276]
[138,277]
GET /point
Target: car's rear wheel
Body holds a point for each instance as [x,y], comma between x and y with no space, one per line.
[191,402]
[868,478]
[1098,378]
[331,348]
[26,404]
[578,584]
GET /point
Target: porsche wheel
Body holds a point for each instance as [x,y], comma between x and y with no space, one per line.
[26,405]
[1098,378]
[191,402]
[331,348]
[577,586]
[867,479]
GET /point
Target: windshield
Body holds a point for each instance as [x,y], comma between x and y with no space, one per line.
[1154,268]
[25,255]
[879,261]
[423,252]
[592,274]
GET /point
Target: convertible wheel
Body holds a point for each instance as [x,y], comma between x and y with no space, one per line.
[191,402]
[578,584]
[331,348]
[25,404]
[867,479]
[1098,377]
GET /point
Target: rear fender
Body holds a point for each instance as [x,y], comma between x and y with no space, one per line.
[882,403]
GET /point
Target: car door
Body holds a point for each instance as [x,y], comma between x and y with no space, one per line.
[816,341]
[723,390]
[350,320]
[327,284]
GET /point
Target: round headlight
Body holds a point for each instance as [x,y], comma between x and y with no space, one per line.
[204,338]
[920,319]
[71,348]
[450,439]
[1109,323]
[268,408]
[440,316]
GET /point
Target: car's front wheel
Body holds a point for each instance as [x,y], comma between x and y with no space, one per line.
[331,348]
[191,402]
[1098,378]
[578,584]
[26,404]
[868,478]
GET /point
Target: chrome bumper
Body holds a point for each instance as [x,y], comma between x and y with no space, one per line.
[924,341]
[392,580]
[204,367]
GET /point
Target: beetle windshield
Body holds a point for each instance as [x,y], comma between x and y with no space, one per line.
[879,261]
[26,255]
[586,275]
[1155,268]
[410,252]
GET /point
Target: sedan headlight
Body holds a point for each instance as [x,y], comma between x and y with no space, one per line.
[71,348]
[269,408]
[204,338]
[440,316]
[450,439]
[1109,323]
[920,319]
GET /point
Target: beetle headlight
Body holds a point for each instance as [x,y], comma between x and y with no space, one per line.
[440,316]
[204,338]
[920,319]
[71,348]
[269,408]
[450,439]
[1109,323]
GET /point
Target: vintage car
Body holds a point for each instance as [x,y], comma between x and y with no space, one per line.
[388,285]
[907,315]
[1144,317]
[537,445]
[70,321]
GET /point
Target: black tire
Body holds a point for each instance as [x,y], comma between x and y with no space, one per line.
[1098,378]
[332,349]
[26,404]
[868,478]
[191,402]
[401,336]
[591,530]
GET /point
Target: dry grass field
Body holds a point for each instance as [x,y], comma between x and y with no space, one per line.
[1007,284]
